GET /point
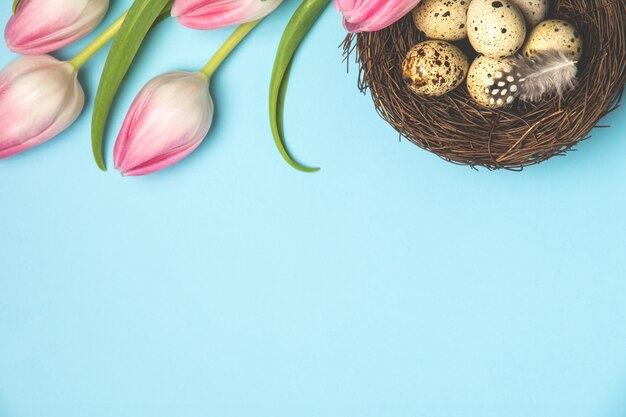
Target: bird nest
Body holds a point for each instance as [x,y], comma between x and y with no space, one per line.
[461,131]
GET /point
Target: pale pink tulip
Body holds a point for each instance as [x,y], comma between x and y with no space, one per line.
[213,14]
[168,120]
[372,15]
[40,97]
[42,26]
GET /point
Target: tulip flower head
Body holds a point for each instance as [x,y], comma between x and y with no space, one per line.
[214,14]
[168,120]
[373,15]
[40,97]
[42,26]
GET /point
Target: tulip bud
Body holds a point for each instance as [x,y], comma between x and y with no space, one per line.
[372,15]
[168,120]
[214,14]
[40,97]
[42,26]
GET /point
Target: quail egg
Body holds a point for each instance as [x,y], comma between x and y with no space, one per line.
[434,68]
[481,75]
[556,35]
[533,10]
[442,19]
[496,28]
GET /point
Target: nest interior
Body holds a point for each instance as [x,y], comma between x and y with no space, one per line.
[461,131]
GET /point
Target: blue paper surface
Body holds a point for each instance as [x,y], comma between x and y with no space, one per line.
[391,283]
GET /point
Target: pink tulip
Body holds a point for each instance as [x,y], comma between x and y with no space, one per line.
[372,15]
[42,26]
[214,14]
[168,120]
[39,98]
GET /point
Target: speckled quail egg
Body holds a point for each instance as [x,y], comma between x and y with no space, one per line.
[556,35]
[533,10]
[434,68]
[442,19]
[496,28]
[482,75]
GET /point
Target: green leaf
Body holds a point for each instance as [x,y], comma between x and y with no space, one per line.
[298,27]
[15,4]
[142,15]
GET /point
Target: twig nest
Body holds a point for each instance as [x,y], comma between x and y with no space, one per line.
[434,68]
[496,28]
[533,10]
[459,130]
[442,19]
[484,73]
[554,35]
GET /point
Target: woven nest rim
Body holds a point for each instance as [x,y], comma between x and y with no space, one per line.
[461,131]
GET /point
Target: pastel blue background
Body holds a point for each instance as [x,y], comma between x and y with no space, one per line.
[389,284]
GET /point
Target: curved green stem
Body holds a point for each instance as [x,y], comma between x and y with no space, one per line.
[225,50]
[79,60]
[298,27]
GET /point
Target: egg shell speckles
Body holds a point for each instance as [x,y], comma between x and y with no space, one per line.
[557,35]
[496,28]
[434,68]
[533,10]
[442,19]
[480,76]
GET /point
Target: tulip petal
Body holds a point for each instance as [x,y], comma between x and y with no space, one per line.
[373,15]
[167,121]
[161,162]
[42,26]
[214,14]
[39,98]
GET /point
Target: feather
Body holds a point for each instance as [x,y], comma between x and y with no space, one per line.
[531,79]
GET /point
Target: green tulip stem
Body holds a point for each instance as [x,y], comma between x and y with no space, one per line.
[79,60]
[225,50]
